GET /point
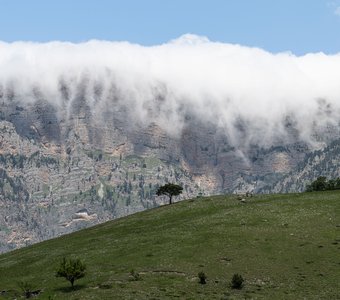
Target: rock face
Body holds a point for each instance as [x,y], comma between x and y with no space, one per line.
[72,165]
[322,162]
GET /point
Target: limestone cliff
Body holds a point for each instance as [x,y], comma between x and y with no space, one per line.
[66,167]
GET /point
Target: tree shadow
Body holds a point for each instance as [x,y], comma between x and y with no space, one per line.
[69,289]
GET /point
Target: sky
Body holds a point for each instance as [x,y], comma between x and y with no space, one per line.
[297,26]
[215,59]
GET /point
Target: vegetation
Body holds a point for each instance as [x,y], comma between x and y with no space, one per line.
[237,281]
[71,270]
[135,275]
[285,246]
[27,289]
[322,184]
[169,190]
[202,278]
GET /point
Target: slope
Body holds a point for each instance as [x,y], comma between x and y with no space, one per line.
[323,162]
[285,246]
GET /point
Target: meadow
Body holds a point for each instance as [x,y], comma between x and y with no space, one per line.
[285,246]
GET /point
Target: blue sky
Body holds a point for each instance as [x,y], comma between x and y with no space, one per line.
[299,26]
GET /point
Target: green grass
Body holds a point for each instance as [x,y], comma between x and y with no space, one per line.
[284,246]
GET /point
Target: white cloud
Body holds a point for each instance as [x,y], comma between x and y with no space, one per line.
[337,11]
[248,92]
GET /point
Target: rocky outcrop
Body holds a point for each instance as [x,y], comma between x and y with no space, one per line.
[322,162]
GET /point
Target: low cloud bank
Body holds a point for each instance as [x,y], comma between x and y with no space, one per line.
[252,95]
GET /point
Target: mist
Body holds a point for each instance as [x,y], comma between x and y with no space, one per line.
[251,95]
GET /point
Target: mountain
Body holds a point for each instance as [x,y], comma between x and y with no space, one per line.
[323,162]
[89,131]
[284,246]
[54,163]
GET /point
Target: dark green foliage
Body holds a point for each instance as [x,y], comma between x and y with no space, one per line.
[135,275]
[237,281]
[202,277]
[169,190]
[27,289]
[322,184]
[71,270]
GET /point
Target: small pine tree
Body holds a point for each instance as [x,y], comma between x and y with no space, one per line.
[71,270]
[237,281]
[202,277]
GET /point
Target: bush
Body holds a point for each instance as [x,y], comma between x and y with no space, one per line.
[202,277]
[135,275]
[26,288]
[237,281]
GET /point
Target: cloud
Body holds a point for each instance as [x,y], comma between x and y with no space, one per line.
[252,96]
[334,6]
[337,11]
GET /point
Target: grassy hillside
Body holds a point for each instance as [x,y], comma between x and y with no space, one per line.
[285,246]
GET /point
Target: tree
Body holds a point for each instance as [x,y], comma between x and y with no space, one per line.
[71,270]
[320,184]
[202,277]
[169,190]
[237,281]
[331,184]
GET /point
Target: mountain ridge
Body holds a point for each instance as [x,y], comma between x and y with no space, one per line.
[53,166]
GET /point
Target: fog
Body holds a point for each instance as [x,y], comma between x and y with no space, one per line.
[253,96]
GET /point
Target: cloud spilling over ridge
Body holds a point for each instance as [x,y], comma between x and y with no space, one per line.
[250,94]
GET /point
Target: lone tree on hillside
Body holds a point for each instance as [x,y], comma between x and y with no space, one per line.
[71,270]
[169,190]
